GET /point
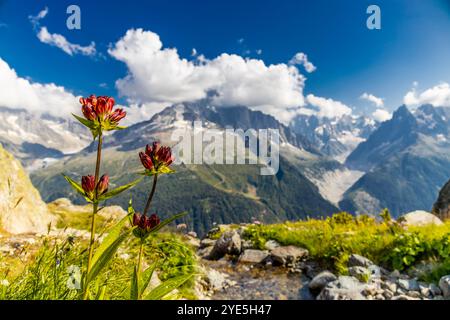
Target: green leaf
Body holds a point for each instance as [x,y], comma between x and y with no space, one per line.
[165,169]
[167,287]
[134,289]
[147,277]
[167,221]
[88,123]
[131,211]
[106,256]
[118,190]
[77,187]
[113,234]
[130,207]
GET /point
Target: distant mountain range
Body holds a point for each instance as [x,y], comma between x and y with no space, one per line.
[37,140]
[211,193]
[335,137]
[407,160]
[348,163]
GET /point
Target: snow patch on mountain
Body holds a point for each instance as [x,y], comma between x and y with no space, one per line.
[333,184]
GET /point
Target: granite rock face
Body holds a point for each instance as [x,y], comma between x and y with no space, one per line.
[21,207]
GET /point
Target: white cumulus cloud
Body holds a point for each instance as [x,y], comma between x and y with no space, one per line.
[159,75]
[378,102]
[21,93]
[58,40]
[438,96]
[381,115]
[302,59]
[328,108]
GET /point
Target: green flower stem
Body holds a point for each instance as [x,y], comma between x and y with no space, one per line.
[94,211]
[150,197]
[138,271]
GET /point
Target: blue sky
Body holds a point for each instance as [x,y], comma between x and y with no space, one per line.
[413,44]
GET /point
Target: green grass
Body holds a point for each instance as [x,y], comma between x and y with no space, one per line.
[42,273]
[332,240]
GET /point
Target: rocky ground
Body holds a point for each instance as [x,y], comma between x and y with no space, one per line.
[237,270]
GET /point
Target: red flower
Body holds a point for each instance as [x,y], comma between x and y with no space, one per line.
[101,109]
[144,223]
[153,221]
[156,156]
[88,185]
[102,185]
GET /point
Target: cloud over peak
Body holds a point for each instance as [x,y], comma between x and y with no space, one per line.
[438,96]
[21,93]
[378,102]
[328,108]
[158,74]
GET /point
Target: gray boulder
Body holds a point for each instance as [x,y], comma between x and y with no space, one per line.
[228,243]
[320,281]
[253,256]
[419,218]
[355,260]
[344,288]
[444,285]
[288,255]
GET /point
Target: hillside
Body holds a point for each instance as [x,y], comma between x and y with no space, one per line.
[21,207]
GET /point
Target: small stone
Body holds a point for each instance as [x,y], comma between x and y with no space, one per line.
[356,260]
[435,290]
[388,294]
[413,294]
[438,297]
[253,256]
[288,255]
[320,281]
[444,285]
[389,285]
[395,274]
[228,243]
[425,292]
[408,285]
[380,297]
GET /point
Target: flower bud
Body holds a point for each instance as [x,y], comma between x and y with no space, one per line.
[102,185]
[153,221]
[146,161]
[88,185]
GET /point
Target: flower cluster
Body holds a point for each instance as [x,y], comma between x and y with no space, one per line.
[144,224]
[101,109]
[157,158]
[91,190]
[99,114]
